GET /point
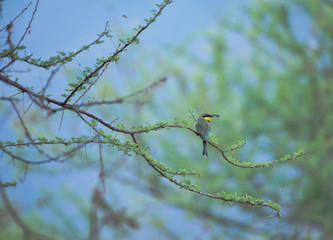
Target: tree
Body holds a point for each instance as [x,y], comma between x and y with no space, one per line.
[41,144]
[297,70]
[280,88]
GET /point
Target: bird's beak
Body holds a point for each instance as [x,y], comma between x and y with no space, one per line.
[215,115]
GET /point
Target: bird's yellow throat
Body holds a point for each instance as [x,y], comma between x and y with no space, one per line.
[208,118]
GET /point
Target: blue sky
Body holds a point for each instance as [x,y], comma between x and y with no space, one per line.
[68,24]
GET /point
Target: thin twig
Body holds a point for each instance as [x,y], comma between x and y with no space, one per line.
[65,155]
[11,22]
[27,133]
[62,117]
[118,51]
[118,100]
[25,32]
[54,71]
[101,165]
[90,86]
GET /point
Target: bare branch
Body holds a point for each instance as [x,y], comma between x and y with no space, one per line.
[11,22]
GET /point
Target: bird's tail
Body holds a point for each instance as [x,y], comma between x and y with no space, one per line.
[204,152]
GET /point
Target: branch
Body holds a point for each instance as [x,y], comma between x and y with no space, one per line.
[273,163]
[27,133]
[114,56]
[11,22]
[156,127]
[248,200]
[62,57]
[8,184]
[163,171]
[17,219]
[66,156]
[50,142]
[118,100]
[25,32]
[90,86]
[10,99]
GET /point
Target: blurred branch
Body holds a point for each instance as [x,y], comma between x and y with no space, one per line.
[28,232]
[10,99]
[101,165]
[111,217]
[121,99]
[8,184]
[65,155]
[26,131]
[196,210]
[118,100]
[93,221]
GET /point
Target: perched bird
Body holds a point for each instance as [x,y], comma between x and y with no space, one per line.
[202,126]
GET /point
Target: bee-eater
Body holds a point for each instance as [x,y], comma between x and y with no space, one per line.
[202,126]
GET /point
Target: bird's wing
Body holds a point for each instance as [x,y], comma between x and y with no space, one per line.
[207,131]
[203,128]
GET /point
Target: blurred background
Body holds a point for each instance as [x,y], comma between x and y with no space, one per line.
[265,66]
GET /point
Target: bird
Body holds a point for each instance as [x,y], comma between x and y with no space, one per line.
[202,125]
